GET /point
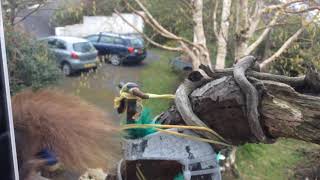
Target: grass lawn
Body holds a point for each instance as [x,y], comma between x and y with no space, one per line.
[159,78]
[271,161]
[255,161]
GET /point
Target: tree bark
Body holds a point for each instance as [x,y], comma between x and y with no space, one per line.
[222,104]
[242,29]
[223,35]
[198,30]
[284,112]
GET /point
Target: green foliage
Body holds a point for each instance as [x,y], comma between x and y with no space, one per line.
[72,12]
[304,49]
[30,63]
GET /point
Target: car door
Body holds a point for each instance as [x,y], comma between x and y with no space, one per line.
[119,46]
[106,44]
[61,51]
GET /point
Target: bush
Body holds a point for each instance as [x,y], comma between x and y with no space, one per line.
[30,63]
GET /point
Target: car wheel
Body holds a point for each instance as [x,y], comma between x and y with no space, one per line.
[115,60]
[66,69]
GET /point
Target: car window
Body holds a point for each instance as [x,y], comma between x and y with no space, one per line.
[136,42]
[106,39]
[51,43]
[83,47]
[118,41]
[60,45]
[93,38]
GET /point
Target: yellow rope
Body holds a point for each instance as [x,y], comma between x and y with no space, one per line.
[140,174]
[162,96]
[193,137]
[132,126]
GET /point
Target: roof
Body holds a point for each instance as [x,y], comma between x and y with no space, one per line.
[69,39]
[125,36]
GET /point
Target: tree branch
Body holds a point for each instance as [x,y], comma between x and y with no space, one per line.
[29,14]
[146,37]
[283,48]
[263,35]
[280,6]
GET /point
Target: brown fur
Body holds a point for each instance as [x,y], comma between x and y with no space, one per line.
[75,130]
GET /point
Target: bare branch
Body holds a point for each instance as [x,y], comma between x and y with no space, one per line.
[187,4]
[264,34]
[29,14]
[146,37]
[149,19]
[275,25]
[280,6]
[282,49]
[154,22]
[303,10]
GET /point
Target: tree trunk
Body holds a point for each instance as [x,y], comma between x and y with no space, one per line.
[199,36]
[223,105]
[242,29]
[199,39]
[284,112]
[223,35]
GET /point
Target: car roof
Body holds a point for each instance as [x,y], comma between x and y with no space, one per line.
[69,39]
[119,35]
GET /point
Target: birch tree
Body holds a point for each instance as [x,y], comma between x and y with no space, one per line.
[249,17]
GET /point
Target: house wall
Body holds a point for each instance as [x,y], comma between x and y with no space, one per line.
[96,24]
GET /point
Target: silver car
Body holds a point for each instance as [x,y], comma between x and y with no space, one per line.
[72,53]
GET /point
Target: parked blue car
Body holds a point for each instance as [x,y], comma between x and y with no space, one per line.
[119,48]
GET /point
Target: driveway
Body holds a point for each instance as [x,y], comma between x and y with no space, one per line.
[100,87]
[38,23]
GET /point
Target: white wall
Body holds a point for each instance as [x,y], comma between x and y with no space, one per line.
[96,24]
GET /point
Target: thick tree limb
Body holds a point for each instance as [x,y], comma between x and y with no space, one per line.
[184,106]
[221,105]
[251,94]
[285,113]
[295,82]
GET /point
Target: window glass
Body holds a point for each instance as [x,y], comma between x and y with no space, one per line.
[93,38]
[136,42]
[60,45]
[118,41]
[83,47]
[52,43]
[106,39]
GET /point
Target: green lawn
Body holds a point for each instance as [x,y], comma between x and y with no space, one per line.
[270,161]
[255,161]
[159,78]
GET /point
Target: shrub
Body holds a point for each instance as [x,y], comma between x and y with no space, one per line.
[30,63]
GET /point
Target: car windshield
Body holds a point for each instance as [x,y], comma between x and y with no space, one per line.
[83,47]
[136,42]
